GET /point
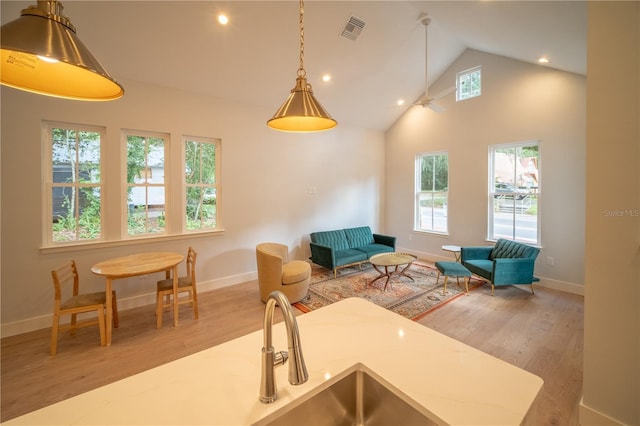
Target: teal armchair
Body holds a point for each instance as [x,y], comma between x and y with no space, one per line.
[507,263]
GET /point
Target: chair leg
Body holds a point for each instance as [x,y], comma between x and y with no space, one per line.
[466,284]
[101,325]
[54,333]
[114,306]
[194,299]
[72,325]
[532,289]
[492,288]
[444,290]
[159,310]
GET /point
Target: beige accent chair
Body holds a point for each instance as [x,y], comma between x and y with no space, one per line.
[66,276]
[276,272]
[187,283]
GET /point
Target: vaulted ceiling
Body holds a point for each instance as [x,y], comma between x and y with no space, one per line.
[255,57]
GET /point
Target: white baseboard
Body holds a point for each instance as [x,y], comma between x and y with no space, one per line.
[590,417]
[544,282]
[44,321]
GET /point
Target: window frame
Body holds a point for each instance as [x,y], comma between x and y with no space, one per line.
[461,95]
[418,193]
[530,199]
[217,143]
[48,184]
[125,210]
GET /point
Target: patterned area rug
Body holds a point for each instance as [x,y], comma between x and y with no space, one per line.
[411,299]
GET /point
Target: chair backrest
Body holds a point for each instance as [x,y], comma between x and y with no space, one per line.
[65,274]
[269,258]
[191,264]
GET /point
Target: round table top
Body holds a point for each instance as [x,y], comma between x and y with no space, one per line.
[392,259]
[137,264]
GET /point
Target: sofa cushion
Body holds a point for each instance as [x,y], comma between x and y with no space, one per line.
[510,249]
[371,249]
[345,257]
[295,271]
[335,239]
[359,237]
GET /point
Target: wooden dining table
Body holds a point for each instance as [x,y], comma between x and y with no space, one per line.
[133,265]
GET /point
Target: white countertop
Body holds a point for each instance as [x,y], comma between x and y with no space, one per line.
[455,383]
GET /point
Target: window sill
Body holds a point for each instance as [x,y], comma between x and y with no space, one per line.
[61,248]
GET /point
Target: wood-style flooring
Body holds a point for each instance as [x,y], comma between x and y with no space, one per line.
[541,333]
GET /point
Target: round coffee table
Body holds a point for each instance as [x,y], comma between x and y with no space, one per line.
[391,263]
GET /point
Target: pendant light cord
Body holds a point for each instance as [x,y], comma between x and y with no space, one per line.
[301,71]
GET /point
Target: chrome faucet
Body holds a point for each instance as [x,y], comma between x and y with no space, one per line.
[272,359]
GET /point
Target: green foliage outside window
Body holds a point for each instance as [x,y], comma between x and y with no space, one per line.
[200,184]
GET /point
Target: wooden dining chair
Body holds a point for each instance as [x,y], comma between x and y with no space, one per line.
[65,277]
[186,284]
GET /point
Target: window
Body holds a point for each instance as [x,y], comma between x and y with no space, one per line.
[432,185]
[201,183]
[468,84]
[514,190]
[146,186]
[73,181]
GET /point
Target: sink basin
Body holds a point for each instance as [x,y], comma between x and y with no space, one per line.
[357,398]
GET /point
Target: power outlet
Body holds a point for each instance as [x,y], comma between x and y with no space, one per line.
[550,260]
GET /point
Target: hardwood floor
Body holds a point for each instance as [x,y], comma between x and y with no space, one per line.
[542,334]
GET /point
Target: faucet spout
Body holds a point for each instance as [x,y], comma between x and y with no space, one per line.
[272,359]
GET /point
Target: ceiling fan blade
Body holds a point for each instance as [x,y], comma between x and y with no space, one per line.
[444,93]
[436,106]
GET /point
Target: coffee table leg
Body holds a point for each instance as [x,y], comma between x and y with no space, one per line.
[403,272]
[382,275]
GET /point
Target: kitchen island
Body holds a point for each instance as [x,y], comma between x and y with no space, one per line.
[451,383]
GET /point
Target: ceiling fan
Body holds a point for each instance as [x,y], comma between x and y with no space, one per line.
[427,101]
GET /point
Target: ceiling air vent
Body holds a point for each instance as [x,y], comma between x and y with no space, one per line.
[353,28]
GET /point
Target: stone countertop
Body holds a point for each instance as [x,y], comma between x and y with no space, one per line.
[453,382]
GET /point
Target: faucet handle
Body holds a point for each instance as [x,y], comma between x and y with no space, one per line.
[280,358]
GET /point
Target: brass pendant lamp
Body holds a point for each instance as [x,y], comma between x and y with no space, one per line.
[301,112]
[42,54]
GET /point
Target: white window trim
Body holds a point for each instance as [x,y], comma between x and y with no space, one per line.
[417,192]
[459,75]
[124,202]
[491,193]
[183,216]
[47,181]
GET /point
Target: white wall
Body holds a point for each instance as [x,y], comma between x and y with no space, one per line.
[519,102]
[266,176]
[611,389]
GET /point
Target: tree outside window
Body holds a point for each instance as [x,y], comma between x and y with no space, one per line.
[74,181]
[432,192]
[146,184]
[201,183]
[514,190]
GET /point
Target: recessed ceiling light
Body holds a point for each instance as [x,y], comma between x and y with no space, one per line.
[223,19]
[400,102]
[543,60]
[326,78]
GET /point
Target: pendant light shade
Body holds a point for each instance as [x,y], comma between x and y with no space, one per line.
[301,112]
[42,54]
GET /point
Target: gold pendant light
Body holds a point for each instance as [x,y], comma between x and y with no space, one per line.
[301,112]
[42,54]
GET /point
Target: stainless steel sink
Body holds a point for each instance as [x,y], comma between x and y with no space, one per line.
[357,398]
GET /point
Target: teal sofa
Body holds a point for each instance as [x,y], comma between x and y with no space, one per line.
[349,246]
[507,263]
